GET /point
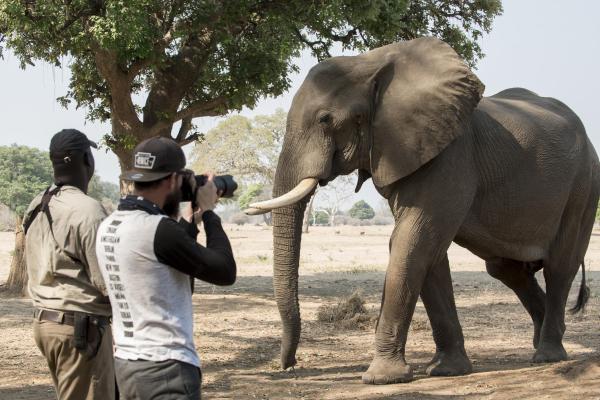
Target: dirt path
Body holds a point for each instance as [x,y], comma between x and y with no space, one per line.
[237,331]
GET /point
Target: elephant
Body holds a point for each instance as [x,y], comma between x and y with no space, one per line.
[512,177]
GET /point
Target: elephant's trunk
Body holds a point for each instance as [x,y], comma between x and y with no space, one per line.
[287,234]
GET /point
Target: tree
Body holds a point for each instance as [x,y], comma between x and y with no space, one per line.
[24,172]
[319,217]
[255,192]
[245,148]
[331,197]
[361,210]
[106,193]
[184,59]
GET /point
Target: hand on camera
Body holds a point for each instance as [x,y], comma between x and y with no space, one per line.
[206,195]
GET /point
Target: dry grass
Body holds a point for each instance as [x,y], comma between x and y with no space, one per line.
[237,329]
[348,313]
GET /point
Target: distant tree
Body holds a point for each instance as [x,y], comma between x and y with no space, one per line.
[330,198]
[24,172]
[187,59]
[319,217]
[246,148]
[105,192]
[243,147]
[249,195]
[361,210]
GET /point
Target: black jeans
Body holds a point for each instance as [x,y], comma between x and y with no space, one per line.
[157,380]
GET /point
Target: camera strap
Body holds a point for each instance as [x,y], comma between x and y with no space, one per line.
[132,202]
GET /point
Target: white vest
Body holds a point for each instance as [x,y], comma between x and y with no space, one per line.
[151,302]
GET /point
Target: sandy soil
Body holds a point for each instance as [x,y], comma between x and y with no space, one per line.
[237,330]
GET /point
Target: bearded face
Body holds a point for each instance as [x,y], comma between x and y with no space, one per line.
[171,206]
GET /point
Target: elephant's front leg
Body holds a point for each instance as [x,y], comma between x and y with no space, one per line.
[438,297]
[413,251]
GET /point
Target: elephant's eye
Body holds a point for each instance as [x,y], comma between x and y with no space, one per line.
[325,118]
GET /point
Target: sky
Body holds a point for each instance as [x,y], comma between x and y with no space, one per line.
[551,47]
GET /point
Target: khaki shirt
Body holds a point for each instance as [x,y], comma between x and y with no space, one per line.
[63,271]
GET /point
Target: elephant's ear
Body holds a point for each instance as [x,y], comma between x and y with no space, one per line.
[421,95]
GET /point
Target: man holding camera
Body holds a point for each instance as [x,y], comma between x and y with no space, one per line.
[72,311]
[147,259]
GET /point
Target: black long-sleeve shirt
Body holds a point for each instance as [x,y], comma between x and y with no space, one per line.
[175,245]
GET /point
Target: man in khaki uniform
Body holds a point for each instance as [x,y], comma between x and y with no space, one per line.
[72,312]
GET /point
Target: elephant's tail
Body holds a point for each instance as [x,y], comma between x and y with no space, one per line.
[584,293]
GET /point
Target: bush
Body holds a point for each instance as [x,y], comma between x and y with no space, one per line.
[361,210]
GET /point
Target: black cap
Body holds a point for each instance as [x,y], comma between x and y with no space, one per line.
[67,143]
[155,158]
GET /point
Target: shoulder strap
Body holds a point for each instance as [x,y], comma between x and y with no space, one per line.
[43,206]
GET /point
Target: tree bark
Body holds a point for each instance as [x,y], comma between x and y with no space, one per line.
[17,277]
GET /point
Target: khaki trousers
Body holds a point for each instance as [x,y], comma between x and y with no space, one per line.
[75,377]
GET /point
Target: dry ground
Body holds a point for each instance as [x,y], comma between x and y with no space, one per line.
[237,330]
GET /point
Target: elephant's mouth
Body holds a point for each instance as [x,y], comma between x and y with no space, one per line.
[305,187]
[325,181]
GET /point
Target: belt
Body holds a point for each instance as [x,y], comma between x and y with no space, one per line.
[66,317]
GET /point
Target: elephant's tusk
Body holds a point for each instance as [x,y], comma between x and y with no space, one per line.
[293,196]
[255,211]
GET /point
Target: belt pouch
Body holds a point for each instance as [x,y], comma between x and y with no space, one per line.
[80,334]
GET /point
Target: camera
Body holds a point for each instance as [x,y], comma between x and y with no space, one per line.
[224,183]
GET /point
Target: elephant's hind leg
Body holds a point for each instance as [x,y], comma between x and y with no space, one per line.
[565,257]
[521,280]
[438,297]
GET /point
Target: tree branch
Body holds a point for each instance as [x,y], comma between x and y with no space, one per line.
[186,125]
[313,44]
[190,139]
[122,106]
[211,108]
[140,64]
[197,109]
[346,38]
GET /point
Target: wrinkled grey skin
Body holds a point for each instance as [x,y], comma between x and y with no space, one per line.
[511,177]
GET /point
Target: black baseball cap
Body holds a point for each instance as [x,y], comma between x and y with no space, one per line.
[154,159]
[69,142]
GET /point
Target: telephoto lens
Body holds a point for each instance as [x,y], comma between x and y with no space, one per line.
[225,184]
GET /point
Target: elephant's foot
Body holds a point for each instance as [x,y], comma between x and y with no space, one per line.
[450,363]
[383,371]
[547,353]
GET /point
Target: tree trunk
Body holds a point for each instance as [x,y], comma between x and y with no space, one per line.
[17,277]
[126,163]
[308,212]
